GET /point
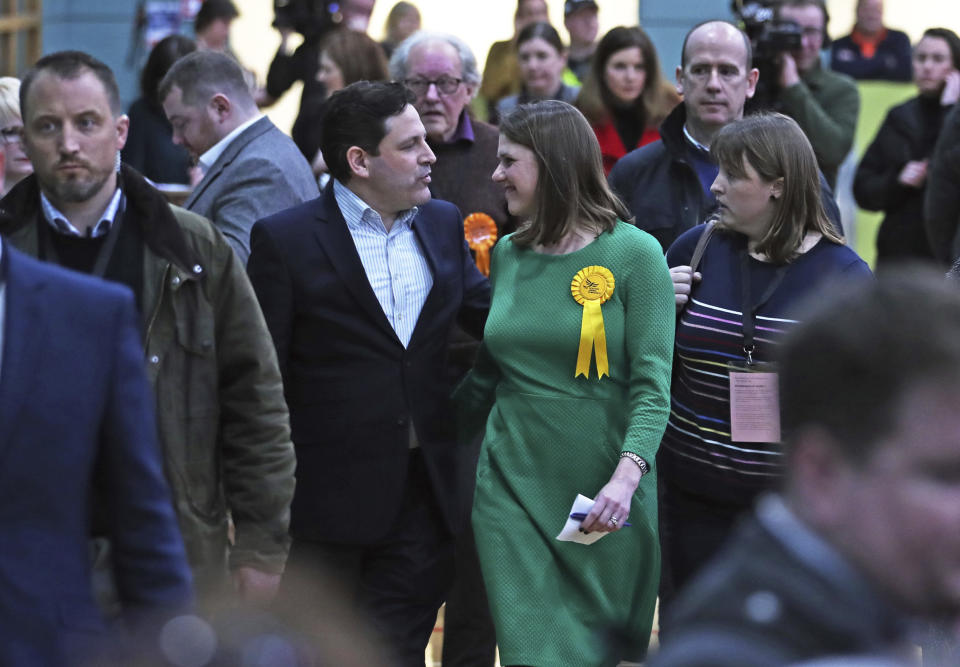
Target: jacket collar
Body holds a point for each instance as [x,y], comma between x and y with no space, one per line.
[146,207]
[228,155]
[671,132]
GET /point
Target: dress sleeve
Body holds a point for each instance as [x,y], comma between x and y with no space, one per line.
[650,321]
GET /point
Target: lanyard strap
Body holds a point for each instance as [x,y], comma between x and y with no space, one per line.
[750,311]
[48,250]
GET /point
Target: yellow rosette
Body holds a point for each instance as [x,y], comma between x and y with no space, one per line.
[481,233]
[591,288]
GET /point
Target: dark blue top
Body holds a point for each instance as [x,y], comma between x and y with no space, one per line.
[892,61]
[697,452]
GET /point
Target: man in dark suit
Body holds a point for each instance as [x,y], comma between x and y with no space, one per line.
[76,426]
[360,289]
[251,168]
[864,541]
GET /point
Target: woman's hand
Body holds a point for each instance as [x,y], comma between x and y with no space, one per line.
[614,499]
[951,89]
[913,174]
[683,280]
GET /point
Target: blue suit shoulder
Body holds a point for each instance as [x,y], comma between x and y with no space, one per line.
[70,285]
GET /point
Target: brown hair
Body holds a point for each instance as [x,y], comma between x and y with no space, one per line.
[571,189]
[596,100]
[357,55]
[776,147]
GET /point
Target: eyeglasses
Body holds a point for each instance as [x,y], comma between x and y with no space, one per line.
[446,85]
[11,135]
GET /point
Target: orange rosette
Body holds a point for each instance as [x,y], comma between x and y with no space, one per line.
[480,231]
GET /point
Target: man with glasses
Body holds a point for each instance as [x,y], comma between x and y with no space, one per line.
[441,72]
[825,104]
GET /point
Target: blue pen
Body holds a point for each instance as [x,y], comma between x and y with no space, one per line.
[580,516]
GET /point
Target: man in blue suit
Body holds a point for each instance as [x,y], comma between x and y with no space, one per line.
[360,288]
[78,446]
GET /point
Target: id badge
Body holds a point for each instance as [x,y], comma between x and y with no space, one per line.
[754,402]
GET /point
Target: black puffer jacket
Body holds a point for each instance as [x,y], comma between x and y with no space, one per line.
[909,132]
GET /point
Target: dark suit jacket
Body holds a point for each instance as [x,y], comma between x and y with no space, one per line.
[75,406]
[260,172]
[352,388]
[763,603]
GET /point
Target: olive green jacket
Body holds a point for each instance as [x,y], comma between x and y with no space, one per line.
[222,417]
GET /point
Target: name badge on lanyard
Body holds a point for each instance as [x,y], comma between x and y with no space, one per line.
[754,386]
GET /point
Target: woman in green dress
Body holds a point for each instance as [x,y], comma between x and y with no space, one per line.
[572,385]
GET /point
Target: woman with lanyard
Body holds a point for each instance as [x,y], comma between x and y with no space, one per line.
[769,248]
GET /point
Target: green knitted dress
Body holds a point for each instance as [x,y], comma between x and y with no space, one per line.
[550,435]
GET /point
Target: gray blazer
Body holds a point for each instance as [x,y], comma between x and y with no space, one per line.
[261,172]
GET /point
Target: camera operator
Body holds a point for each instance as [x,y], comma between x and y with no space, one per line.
[824,103]
[313,20]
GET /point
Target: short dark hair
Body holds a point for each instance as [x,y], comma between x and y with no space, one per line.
[211,10]
[202,74]
[357,116]
[686,38]
[864,346]
[544,31]
[950,37]
[571,188]
[166,52]
[72,65]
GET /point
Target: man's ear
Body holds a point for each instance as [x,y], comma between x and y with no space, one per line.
[818,476]
[753,76]
[220,106]
[679,75]
[123,129]
[357,160]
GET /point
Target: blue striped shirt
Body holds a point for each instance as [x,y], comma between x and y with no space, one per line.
[393,261]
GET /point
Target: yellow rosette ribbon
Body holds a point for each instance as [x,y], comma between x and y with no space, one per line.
[481,233]
[591,288]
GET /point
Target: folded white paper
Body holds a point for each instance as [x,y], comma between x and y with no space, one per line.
[571,530]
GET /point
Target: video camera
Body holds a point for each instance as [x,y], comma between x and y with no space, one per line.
[769,38]
[310,18]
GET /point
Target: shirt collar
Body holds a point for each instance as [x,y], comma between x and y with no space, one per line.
[214,152]
[464,129]
[696,144]
[357,213]
[59,221]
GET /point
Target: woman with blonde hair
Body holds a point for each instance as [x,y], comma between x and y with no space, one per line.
[16,163]
[773,248]
[572,386]
[625,98]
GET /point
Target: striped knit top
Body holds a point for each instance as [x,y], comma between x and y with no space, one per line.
[697,453]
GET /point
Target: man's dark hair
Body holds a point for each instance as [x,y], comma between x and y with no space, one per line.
[166,52]
[686,38]
[357,116]
[211,10]
[71,65]
[202,74]
[848,365]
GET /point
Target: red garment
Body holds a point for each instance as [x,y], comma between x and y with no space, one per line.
[611,146]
